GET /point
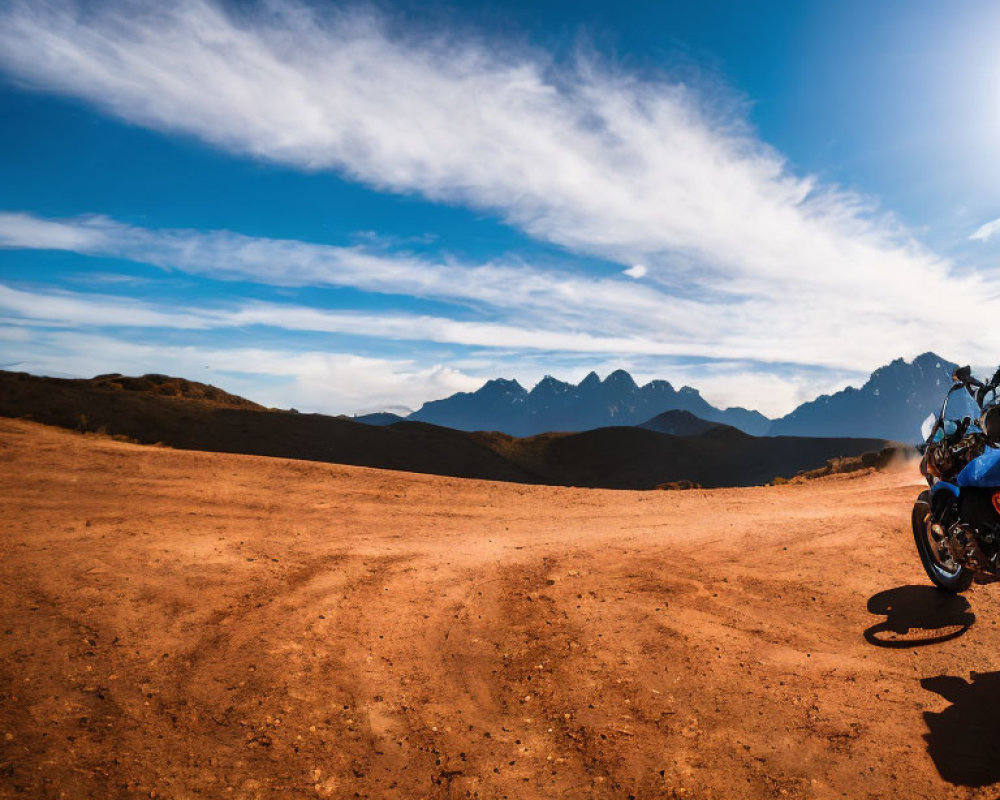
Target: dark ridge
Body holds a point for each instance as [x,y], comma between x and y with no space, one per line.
[379,418]
[194,418]
[198,424]
[166,386]
[680,423]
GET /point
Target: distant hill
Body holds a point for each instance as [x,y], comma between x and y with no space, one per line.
[891,404]
[195,418]
[679,423]
[166,386]
[636,458]
[379,418]
[198,423]
[554,405]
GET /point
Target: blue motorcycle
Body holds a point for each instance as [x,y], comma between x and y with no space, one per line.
[956,521]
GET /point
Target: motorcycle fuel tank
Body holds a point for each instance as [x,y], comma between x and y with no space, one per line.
[983,472]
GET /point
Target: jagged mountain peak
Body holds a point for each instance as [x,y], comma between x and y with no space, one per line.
[550,386]
[620,378]
[498,385]
[554,405]
[658,385]
[892,402]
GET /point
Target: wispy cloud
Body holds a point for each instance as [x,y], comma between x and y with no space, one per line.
[329,380]
[223,255]
[522,307]
[26,318]
[310,380]
[741,257]
[70,309]
[57,308]
[986,231]
[585,155]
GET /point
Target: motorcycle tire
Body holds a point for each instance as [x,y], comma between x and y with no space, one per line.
[950,578]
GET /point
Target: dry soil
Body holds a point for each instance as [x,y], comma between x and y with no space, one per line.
[186,624]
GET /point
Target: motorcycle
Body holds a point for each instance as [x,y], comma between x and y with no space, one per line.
[956,520]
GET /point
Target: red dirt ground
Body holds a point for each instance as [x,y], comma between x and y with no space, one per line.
[183,624]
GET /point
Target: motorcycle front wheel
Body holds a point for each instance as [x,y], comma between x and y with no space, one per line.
[940,567]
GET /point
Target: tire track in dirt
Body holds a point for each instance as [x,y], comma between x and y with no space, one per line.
[201,625]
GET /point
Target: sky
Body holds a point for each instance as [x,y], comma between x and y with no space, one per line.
[349,207]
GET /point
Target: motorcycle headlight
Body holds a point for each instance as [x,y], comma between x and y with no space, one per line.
[989,423]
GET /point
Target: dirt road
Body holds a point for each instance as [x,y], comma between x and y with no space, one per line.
[181,625]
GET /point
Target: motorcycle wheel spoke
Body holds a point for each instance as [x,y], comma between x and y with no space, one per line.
[941,553]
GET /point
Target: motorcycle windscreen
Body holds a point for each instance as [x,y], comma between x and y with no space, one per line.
[983,472]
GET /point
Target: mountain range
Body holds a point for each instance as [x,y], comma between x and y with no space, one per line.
[554,405]
[674,448]
[891,405]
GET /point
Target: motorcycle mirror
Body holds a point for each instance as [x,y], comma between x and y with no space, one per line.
[927,427]
[962,374]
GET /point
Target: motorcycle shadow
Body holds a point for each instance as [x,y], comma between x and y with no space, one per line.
[964,739]
[917,616]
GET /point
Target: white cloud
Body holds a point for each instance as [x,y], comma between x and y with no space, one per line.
[223,255]
[744,258]
[636,271]
[588,156]
[308,380]
[337,382]
[68,309]
[756,386]
[518,306]
[495,350]
[26,231]
[985,232]
[77,309]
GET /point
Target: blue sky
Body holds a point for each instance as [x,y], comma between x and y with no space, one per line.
[347,207]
